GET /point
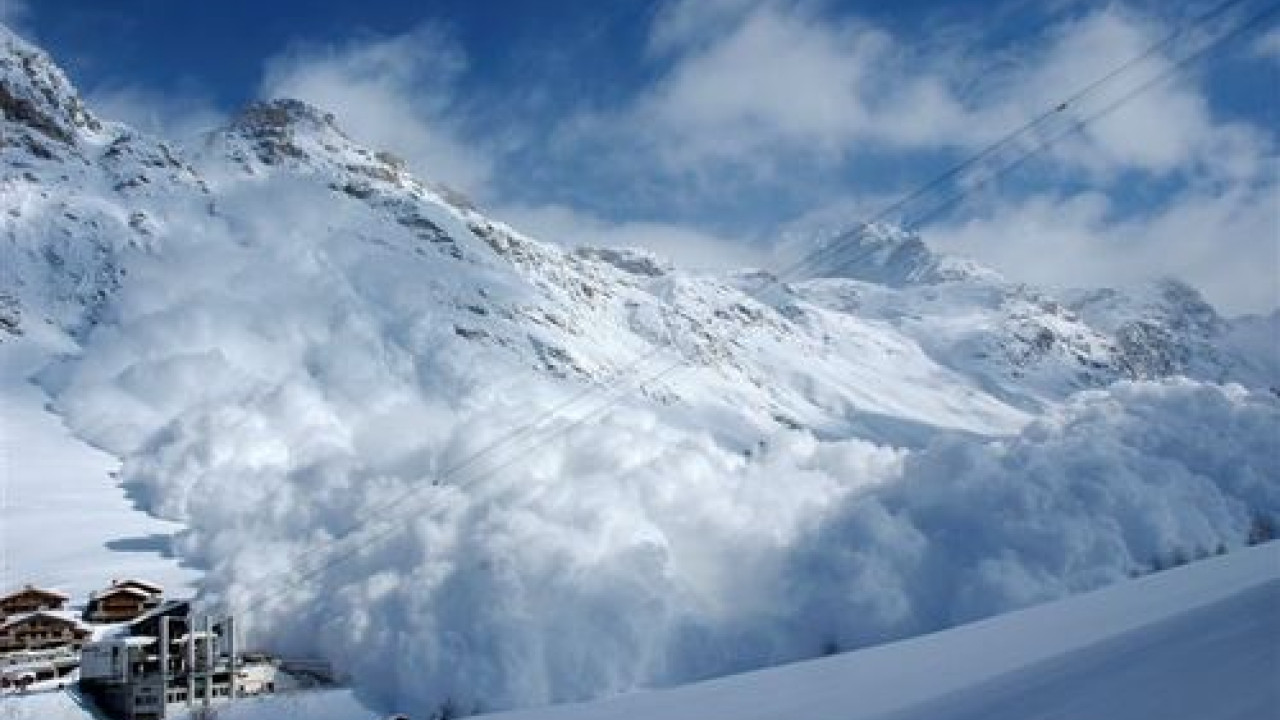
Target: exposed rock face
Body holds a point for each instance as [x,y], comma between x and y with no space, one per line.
[1165,329]
[882,254]
[630,260]
[35,93]
[77,191]
[272,128]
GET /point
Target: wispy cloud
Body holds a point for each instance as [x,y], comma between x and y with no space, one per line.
[754,85]
[1224,243]
[1268,44]
[178,115]
[14,12]
[394,93]
[1210,215]
[751,87]
[760,88]
[1164,128]
[685,245]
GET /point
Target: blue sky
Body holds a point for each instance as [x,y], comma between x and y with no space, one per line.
[707,129]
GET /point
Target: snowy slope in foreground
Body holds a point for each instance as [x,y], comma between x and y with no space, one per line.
[1201,641]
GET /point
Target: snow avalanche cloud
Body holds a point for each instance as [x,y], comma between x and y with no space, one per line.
[332,448]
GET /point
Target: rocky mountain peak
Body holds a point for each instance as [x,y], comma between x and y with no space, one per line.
[1168,301]
[634,261]
[276,131]
[35,95]
[295,134]
[1187,304]
[280,115]
[885,254]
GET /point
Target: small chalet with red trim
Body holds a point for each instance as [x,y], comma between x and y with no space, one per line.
[29,599]
[124,600]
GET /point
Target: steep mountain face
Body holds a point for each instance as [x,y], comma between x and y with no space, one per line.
[1167,329]
[77,193]
[1028,348]
[1022,343]
[37,96]
[478,470]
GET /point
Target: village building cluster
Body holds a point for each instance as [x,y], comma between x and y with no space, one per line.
[40,639]
[133,653]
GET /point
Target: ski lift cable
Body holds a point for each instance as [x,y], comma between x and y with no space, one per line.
[1010,137]
[795,271]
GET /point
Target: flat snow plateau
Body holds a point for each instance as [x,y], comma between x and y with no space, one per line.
[63,524]
[1200,641]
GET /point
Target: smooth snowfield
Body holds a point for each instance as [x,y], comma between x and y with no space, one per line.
[64,522]
[1201,641]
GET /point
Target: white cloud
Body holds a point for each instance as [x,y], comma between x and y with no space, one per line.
[687,246]
[1163,128]
[179,115]
[775,78]
[759,84]
[677,25]
[753,85]
[1220,231]
[1226,243]
[14,12]
[394,93]
[1268,45]
[762,86]
[775,94]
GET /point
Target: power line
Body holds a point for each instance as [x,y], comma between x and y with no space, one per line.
[1147,85]
[621,386]
[810,258]
[1008,139]
[663,371]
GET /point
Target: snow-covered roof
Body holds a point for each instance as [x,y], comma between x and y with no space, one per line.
[121,590]
[149,587]
[29,589]
[65,617]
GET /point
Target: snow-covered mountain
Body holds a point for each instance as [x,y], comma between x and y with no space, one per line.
[479,470]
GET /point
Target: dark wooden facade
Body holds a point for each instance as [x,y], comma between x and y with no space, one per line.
[29,599]
[125,600]
[41,629]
